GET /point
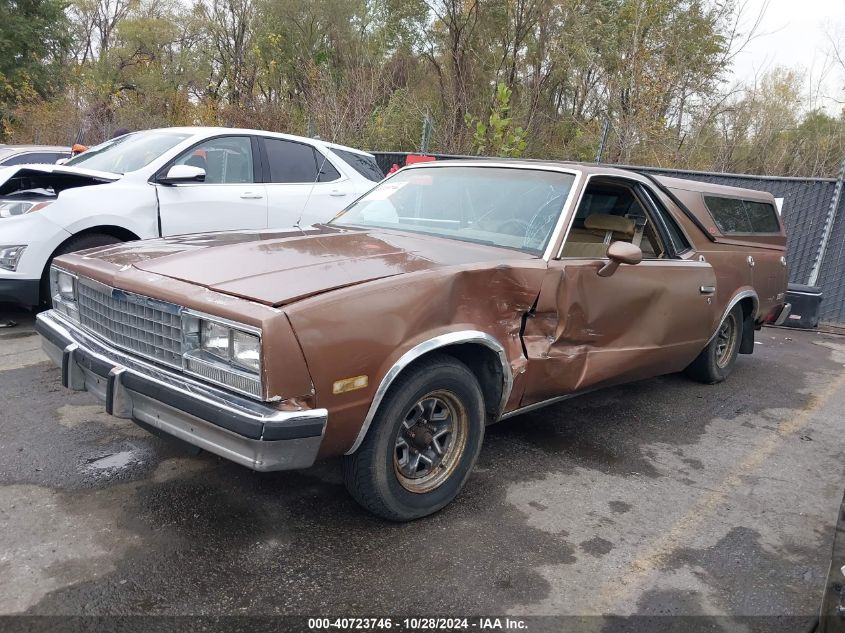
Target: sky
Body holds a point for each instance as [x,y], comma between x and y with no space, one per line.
[792,33]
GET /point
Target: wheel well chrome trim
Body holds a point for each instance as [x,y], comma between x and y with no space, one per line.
[463,337]
[744,294]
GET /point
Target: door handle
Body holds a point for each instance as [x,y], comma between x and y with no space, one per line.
[707,290]
[251,195]
[750,261]
[337,193]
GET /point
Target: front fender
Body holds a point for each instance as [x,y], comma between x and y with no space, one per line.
[368,329]
[131,206]
[426,346]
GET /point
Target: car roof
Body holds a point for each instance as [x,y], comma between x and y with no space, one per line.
[16,149]
[599,169]
[205,130]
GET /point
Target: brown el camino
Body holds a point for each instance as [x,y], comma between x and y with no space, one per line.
[452,295]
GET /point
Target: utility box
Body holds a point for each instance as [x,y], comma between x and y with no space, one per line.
[805,302]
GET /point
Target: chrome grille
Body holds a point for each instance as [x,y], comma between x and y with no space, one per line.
[148,327]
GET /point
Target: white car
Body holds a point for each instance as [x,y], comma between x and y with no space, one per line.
[21,154]
[165,182]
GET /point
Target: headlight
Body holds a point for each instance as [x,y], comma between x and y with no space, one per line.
[66,286]
[246,350]
[215,339]
[9,208]
[222,351]
[10,255]
[63,292]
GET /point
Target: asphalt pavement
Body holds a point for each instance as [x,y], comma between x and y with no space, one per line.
[663,497]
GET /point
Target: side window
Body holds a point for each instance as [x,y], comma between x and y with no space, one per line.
[327,170]
[676,236]
[364,165]
[226,160]
[762,216]
[292,162]
[611,212]
[34,157]
[733,215]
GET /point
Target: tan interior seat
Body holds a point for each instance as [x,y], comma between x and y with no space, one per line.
[620,227]
[600,229]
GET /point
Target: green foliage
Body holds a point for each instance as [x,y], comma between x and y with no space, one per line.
[33,41]
[366,73]
[497,136]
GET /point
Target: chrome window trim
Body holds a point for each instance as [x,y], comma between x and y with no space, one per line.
[657,203]
[578,202]
[631,178]
[451,338]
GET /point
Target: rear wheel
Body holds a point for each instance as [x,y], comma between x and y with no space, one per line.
[716,361]
[423,442]
[77,243]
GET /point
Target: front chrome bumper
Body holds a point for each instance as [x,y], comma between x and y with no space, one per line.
[244,431]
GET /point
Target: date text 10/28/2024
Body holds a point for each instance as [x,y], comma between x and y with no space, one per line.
[418,624]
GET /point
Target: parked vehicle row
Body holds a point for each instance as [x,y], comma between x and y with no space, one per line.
[450,296]
[11,155]
[167,182]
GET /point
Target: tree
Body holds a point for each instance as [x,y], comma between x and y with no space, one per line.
[33,43]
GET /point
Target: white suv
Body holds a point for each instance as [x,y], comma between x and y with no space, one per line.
[168,182]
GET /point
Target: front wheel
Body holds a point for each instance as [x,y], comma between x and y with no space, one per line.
[423,442]
[76,243]
[716,361]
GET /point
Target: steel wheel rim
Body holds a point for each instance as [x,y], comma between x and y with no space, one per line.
[726,341]
[430,442]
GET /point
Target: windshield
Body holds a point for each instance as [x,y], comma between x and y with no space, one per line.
[507,207]
[127,153]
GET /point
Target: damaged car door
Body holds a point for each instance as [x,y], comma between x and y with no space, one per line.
[597,322]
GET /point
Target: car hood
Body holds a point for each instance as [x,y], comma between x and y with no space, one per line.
[59,170]
[20,179]
[277,268]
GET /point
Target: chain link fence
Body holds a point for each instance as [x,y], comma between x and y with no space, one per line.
[806,202]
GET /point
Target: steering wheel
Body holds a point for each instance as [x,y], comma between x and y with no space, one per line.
[538,226]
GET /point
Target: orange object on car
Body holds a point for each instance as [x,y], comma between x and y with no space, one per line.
[418,158]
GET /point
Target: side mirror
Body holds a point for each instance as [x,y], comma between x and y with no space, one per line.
[620,253]
[183,174]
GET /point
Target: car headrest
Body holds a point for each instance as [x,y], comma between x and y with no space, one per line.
[607,222]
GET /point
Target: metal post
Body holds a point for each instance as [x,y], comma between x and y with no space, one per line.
[828,227]
[604,130]
[425,141]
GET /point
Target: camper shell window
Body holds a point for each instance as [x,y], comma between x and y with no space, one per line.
[734,215]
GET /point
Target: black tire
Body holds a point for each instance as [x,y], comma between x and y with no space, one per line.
[374,475]
[715,363]
[77,243]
